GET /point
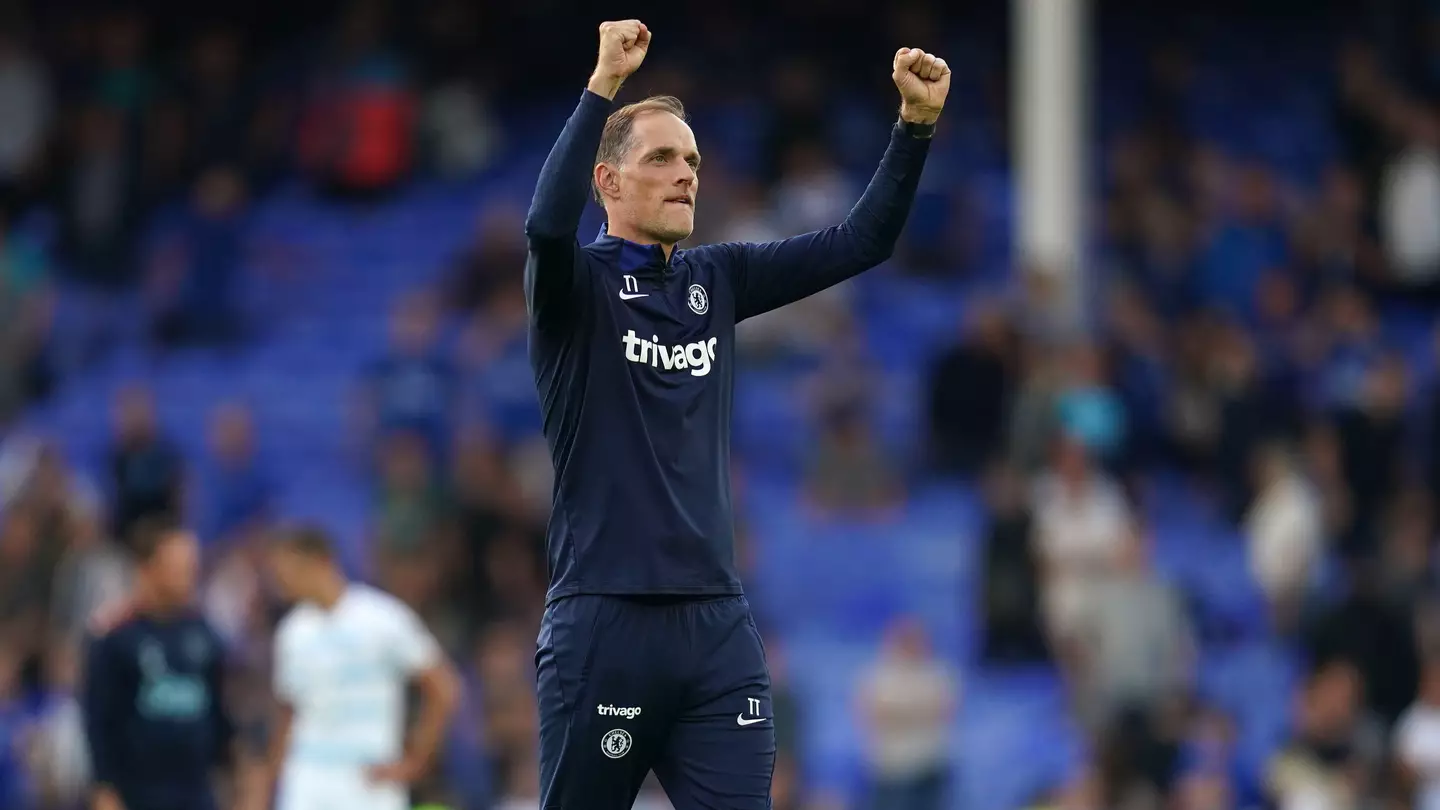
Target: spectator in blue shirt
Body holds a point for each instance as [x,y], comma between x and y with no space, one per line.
[237,487]
[413,387]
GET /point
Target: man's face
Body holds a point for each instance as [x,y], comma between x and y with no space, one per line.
[290,572]
[176,567]
[658,178]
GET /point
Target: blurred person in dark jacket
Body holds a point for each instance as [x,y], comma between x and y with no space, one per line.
[197,274]
[146,469]
[1372,433]
[98,203]
[1013,625]
[156,718]
[413,386]
[970,391]
[237,488]
[1376,636]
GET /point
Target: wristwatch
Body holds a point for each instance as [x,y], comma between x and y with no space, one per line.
[915,130]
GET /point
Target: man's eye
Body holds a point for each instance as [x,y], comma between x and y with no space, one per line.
[658,159]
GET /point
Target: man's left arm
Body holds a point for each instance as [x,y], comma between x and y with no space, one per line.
[420,657]
[773,274]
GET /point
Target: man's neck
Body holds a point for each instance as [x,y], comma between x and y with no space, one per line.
[149,603]
[328,595]
[629,234]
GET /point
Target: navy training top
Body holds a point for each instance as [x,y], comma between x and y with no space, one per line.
[634,364]
[155,717]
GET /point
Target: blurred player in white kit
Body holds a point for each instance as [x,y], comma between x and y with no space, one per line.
[344,657]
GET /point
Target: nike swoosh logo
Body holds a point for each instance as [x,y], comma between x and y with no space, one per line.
[624,296]
[749,721]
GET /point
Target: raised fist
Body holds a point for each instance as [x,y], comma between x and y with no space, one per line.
[622,48]
[923,80]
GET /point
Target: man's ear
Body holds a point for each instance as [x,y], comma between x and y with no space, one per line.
[607,180]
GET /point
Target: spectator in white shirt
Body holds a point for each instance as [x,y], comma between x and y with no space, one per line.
[1417,741]
[1082,525]
[1284,528]
[907,702]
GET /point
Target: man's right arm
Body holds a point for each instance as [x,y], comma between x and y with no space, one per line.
[564,183]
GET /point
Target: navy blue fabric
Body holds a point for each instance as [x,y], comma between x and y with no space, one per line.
[155,715]
[630,685]
[634,362]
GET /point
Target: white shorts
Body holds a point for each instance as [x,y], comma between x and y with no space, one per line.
[318,788]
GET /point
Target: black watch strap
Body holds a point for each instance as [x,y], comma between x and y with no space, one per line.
[914,130]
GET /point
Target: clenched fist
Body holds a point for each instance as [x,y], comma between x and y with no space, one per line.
[923,80]
[623,46]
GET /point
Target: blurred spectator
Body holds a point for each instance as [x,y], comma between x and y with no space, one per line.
[217,103]
[488,509]
[197,273]
[1089,410]
[411,529]
[1285,530]
[1349,346]
[1371,434]
[14,731]
[146,469]
[1247,416]
[812,193]
[1012,620]
[236,485]
[503,666]
[849,473]
[1407,574]
[1417,741]
[1377,639]
[124,81]
[1409,202]
[93,573]
[1034,417]
[1335,752]
[1137,648]
[1139,356]
[785,788]
[98,200]
[908,700]
[489,261]
[1082,526]
[970,392]
[23,587]
[1249,242]
[56,747]
[412,387]
[355,137]
[26,109]
[1209,771]
[458,128]
[26,301]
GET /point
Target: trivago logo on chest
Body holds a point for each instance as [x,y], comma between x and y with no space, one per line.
[693,357]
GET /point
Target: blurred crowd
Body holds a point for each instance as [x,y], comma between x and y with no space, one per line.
[1239,345]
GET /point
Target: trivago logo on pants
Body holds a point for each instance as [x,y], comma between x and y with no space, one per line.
[693,357]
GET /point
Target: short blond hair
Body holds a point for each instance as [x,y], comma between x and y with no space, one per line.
[615,142]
